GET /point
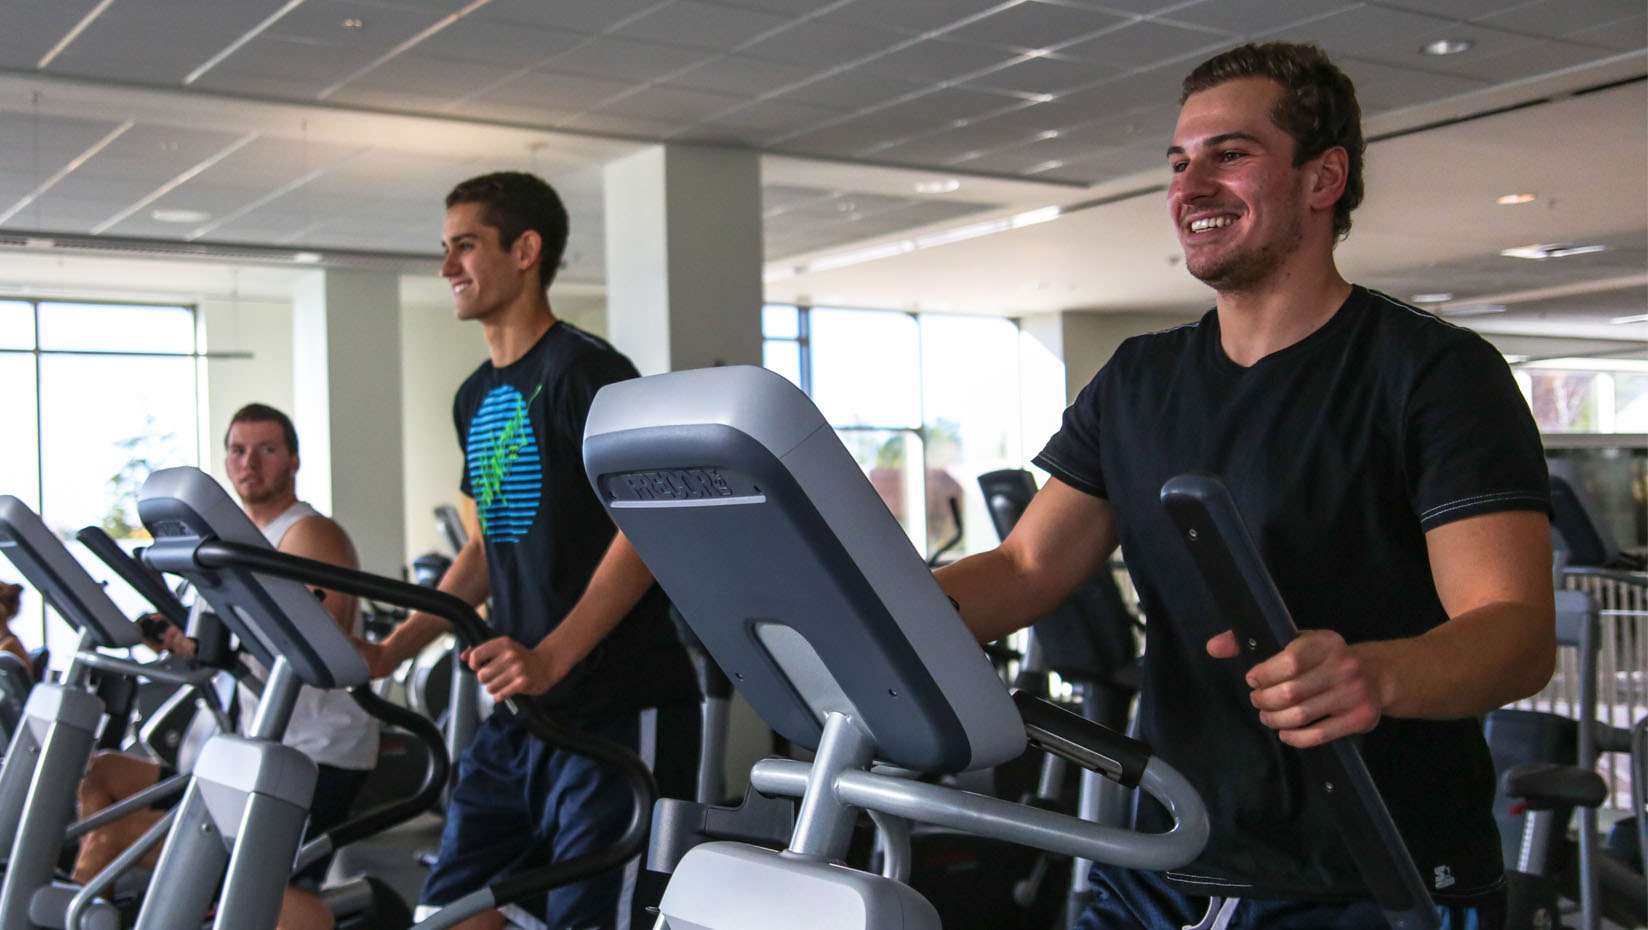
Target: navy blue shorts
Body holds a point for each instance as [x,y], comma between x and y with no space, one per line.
[518,804]
[1124,899]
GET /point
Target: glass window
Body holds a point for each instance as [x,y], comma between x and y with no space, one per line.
[893,461]
[970,398]
[866,370]
[107,421]
[784,357]
[779,321]
[16,325]
[1565,401]
[113,328]
[20,473]
[1630,402]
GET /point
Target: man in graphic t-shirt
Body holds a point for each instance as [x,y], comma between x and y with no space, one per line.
[1394,481]
[583,624]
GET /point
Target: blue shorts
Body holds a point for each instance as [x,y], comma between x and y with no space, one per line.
[519,804]
[1124,899]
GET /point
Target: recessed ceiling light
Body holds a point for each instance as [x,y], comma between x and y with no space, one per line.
[1043,98]
[307,258]
[1447,46]
[353,23]
[1509,200]
[1637,318]
[1474,310]
[1550,250]
[1048,134]
[1039,52]
[942,186]
[1433,298]
[1048,165]
[179,215]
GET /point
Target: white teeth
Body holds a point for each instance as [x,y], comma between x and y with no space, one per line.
[1209,223]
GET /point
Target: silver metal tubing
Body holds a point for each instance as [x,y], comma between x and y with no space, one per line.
[274,709]
[893,836]
[993,817]
[158,791]
[128,856]
[823,825]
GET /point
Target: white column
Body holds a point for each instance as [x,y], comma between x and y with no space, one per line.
[683,253]
[346,390]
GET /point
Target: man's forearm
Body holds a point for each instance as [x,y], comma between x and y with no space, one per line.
[1487,658]
[619,583]
[466,579]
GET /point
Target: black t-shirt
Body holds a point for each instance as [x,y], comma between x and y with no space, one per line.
[1341,451]
[522,430]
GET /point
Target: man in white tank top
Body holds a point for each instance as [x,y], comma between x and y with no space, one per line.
[327,726]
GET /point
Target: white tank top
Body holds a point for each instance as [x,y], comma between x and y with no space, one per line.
[327,726]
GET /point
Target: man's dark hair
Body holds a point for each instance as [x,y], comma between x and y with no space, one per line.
[513,202]
[263,413]
[1317,108]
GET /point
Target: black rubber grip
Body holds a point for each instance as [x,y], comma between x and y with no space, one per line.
[1229,562]
[1071,736]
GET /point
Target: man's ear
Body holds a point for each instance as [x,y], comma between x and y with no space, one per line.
[1331,171]
[296,462]
[528,248]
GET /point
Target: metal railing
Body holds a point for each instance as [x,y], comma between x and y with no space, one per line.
[1622,665]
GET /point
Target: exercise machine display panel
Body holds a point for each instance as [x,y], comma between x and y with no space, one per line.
[42,558]
[183,509]
[780,555]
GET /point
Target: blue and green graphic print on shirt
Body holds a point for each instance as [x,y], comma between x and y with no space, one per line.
[506,470]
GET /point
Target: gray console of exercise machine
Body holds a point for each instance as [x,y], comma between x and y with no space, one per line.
[243,814]
[60,720]
[48,752]
[771,542]
[204,536]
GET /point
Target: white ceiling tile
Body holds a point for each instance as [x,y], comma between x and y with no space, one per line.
[824,43]
[1622,35]
[1253,17]
[850,90]
[502,44]
[669,104]
[1556,18]
[916,17]
[554,92]
[1147,44]
[49,21]
[701,25]
[586,16]
[938,60]
[1382,87]
[623,60]
[381,27]
[1347,32]
[1033,24]
[747,76]
[1048,75]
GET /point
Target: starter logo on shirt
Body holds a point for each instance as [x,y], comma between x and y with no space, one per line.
[506,471]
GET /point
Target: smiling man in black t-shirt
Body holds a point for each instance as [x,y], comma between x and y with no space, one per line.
[581,621]
[1393,478]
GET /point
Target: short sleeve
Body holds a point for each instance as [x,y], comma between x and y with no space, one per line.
[1470,443]
[458,403]
[595,370]
[1072,455]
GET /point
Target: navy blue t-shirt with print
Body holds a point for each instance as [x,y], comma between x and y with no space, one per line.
[1341,451]
[522,428]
